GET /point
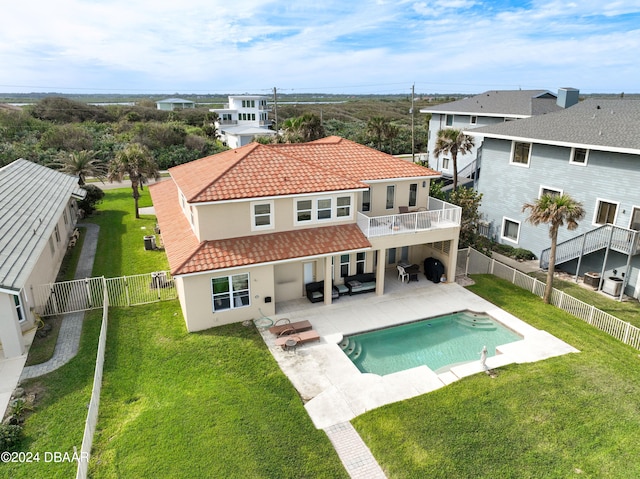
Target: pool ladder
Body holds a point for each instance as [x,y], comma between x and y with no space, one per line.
[351,347]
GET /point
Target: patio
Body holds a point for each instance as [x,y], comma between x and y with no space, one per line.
[335,391]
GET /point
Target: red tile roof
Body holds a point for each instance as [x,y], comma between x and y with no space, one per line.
[256,170]
[186,255]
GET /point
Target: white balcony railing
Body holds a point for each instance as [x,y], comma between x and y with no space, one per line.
[438,214]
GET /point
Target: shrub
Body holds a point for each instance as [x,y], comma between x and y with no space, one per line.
[521,253]
[93,197]
[10,437]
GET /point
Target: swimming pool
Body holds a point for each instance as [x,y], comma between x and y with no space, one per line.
[438,343]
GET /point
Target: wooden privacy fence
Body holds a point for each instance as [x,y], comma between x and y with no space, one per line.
[474,262]
[85,294]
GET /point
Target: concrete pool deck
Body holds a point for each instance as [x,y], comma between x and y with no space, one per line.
[335,391]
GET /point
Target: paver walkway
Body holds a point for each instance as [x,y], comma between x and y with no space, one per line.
[71,327]
[353,452]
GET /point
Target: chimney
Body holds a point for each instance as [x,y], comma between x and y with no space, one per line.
[567,97]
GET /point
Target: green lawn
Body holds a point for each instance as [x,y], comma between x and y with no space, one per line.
[573,416]
[625,310]
[212,404]
[57,423]
[121,245]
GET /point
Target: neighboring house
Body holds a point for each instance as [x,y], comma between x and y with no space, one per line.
[247,229]
[171,104]
[590,151]
[38,213]
[243,119]
[485,109]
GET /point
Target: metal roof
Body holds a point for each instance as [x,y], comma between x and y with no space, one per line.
[512,103]
[174,100]
[32,198]
[598,124]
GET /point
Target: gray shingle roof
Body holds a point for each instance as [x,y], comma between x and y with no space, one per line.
[32,198]
[598,124]
[517,103]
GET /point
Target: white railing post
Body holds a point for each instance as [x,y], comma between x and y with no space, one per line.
[591,313]
[626,333]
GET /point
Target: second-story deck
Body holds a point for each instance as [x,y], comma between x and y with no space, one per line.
[438,214]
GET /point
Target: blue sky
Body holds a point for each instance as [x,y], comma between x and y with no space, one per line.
[330,46]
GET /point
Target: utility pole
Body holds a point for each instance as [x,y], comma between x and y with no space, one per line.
[275,107]
[413,141]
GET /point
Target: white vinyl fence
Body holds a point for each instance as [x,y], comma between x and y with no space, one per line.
[474,262]
[85,294]
[94,404]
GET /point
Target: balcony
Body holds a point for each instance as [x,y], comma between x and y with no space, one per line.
[438,214]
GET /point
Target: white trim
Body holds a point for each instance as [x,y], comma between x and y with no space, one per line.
[268,263]
[279,197]
[230,292]
[476,113]
[513,149]
[408,178]
[551,188]
[506,238]
[568,144]
[314,210]
[633,207]
[573,152]
[597,209]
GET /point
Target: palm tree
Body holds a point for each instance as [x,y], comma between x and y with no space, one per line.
[555,210]
[376,129]
[82,164]
[307,127]
[453,142]
[136,161]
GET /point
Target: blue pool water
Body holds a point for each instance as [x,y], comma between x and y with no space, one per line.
[438,343]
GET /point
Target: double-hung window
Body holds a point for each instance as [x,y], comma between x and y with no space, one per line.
[343,207]
[262,215]
[605,212]
[304,209]
[510,230]
[366,200]
[230,292]
[520,153]
[324,209]
[579,156]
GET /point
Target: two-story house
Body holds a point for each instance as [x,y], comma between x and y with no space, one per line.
[243,119]
[590,151]
[247,229]
[38,213]
[488,108]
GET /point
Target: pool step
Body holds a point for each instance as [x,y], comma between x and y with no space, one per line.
[476,323]
[351,348]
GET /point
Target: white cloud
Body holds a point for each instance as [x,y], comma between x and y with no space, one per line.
[249,45]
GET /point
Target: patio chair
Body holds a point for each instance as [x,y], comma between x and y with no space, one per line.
[403,209]
[402,274]
[296,339]
[288,327]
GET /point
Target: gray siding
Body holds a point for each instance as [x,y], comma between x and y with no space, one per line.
[609,176]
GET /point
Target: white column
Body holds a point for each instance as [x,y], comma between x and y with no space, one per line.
[380,269]
[10,331]
[328,282]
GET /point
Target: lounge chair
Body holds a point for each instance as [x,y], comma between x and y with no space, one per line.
[296,339]
[289,328]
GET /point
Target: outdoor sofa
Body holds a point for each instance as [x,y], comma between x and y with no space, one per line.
[315,291]
[361,283]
